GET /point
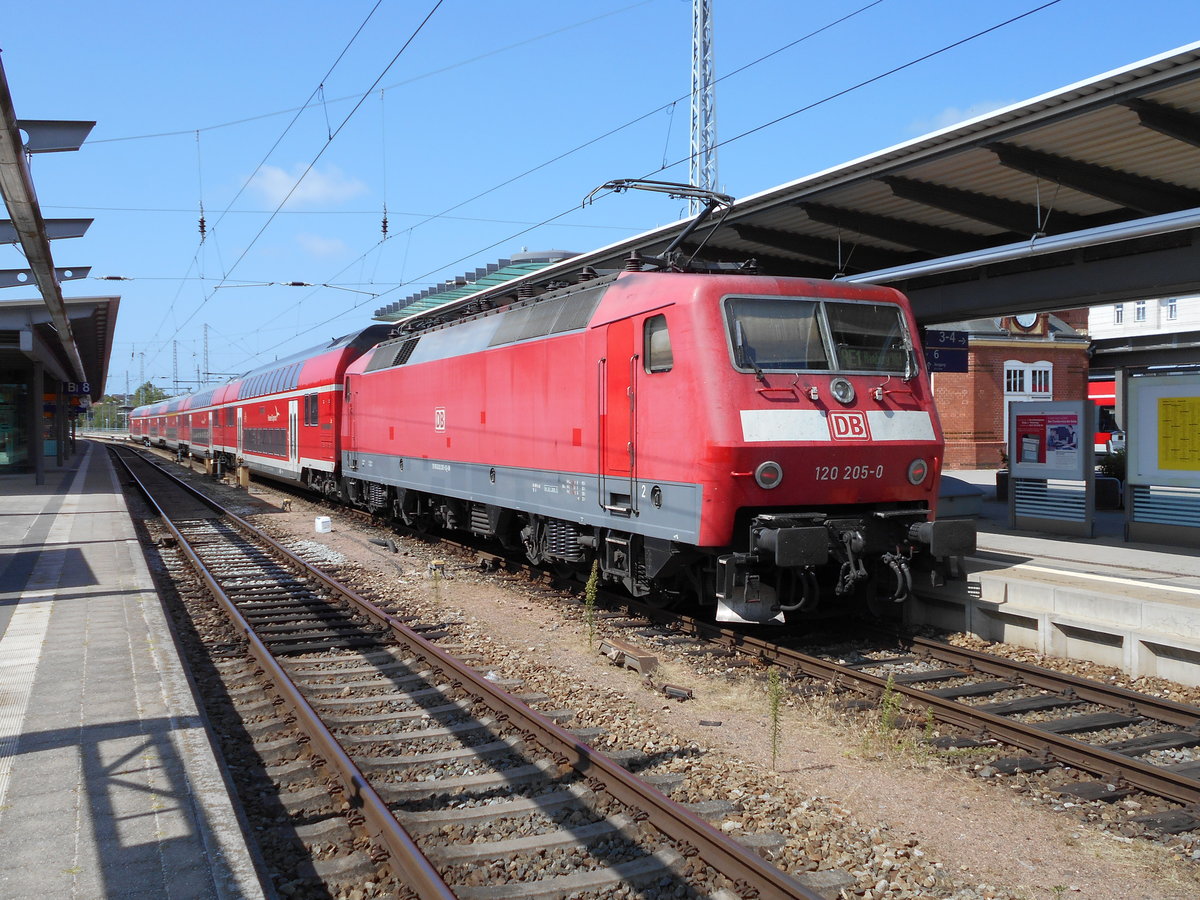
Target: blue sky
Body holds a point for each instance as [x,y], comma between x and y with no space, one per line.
[481,138]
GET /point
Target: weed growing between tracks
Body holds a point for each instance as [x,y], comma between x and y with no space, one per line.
[589,603]
[775,699]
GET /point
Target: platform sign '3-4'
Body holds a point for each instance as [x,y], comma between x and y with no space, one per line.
[439,419]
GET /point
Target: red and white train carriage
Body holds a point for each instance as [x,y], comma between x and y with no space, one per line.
[281,419]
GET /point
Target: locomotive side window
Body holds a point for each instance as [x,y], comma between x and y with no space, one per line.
[868,337]
[657,345]
[775,333]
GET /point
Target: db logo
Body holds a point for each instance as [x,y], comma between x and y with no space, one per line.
[849,426]
[439,419]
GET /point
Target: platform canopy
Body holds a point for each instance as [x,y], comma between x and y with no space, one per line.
[28,332]
[1086,195]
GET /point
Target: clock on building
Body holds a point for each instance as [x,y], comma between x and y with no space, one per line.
[1027,321]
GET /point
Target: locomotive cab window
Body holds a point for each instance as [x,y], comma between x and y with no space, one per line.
[657,345]
[790,334]
[868,337]
[775,333]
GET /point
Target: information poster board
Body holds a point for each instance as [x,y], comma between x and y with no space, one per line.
[1164,429]
[1047,439]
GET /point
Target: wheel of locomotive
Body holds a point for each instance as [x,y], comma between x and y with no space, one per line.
[874,598]
[664,598]
[421,522]
[419,518]
[678,592]
[571,571]
[415,512]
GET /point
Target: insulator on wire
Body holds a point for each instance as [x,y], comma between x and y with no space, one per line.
[203,227]
[383,226]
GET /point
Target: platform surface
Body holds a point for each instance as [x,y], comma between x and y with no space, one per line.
[109,786]
[1106,554]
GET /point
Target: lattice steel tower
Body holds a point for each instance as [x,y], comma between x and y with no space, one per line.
[703,168]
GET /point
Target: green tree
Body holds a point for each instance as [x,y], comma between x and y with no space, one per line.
[148,393]
[107,413]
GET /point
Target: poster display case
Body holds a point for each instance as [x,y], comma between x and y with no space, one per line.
[1052,466]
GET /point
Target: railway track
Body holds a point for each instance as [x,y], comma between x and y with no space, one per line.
[1124,740]
[455,787]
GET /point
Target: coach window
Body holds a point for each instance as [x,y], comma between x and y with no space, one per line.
[310,409]
[657,345]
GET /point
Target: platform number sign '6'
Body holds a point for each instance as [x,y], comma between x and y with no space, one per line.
[439,419]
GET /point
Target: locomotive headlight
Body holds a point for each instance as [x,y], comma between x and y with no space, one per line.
[917,470]
[842,389]
[768,474]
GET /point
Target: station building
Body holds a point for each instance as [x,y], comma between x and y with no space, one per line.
[1010,359]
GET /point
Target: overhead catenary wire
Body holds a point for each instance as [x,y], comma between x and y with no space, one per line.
[245,250]
[308,103]
[828,98]
[203,229]
[446,212]
[576,149]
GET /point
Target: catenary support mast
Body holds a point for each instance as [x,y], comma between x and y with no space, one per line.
[703,168]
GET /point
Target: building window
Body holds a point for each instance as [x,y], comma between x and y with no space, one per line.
[1118,313]
[1026,381]
[1172,309]
[1139,311]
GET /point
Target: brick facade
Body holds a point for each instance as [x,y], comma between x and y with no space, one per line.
[971,404]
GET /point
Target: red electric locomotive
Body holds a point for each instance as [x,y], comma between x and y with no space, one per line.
[752,442]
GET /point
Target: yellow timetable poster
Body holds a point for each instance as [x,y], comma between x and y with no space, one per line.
[1179,433]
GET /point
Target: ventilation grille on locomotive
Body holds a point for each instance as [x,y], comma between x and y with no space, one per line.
[392,355]
[542,317]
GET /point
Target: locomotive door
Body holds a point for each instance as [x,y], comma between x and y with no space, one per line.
[618,420]
[293,431]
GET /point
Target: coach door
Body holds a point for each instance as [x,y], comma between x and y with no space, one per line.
[293,432]
[241,451]
[618,420]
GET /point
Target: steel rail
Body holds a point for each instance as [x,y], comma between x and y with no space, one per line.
[1047,745]
[1121,698]
[404,856]
[750,873]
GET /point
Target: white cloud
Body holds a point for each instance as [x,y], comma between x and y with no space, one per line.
[321,187]
[315,245]
[952,115]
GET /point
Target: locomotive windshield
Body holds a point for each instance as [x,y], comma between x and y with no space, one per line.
[791,335]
